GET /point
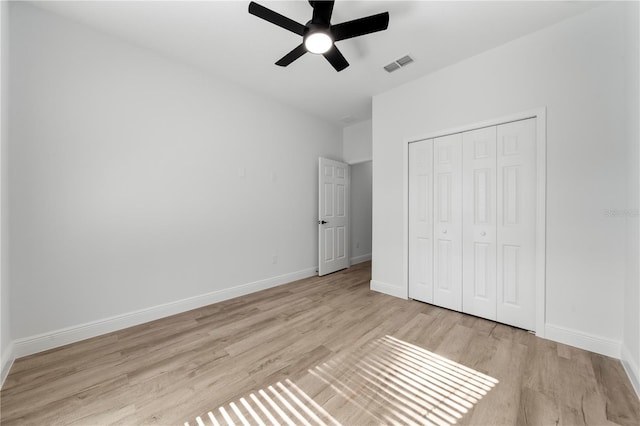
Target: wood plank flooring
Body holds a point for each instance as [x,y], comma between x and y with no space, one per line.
[319,351]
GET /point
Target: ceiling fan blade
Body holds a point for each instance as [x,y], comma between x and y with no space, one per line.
[322,10]
[292,56]
[362,26]
[275,18]
[336,59]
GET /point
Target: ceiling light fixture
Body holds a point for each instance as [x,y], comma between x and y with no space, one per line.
[318,42]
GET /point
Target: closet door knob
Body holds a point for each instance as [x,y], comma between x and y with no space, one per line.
[444,232]
[483,233]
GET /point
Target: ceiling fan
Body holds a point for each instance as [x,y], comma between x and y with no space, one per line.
[318,35]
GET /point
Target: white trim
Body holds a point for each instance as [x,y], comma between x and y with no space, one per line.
[53,339]
[579,339]
[391,290]
[359,161]
[360,259]
[541,187]
[405,215]
[541,220]
[631,368]
[537,112]
[7,361]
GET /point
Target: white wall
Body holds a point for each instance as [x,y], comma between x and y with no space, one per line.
[356,142]
[631,341]
[576,70]
[137,181]
[5,317]
[361,212]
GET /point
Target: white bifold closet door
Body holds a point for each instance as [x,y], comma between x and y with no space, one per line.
[479,222]
[516,158]
[472,206]
[447,225]
[421,220]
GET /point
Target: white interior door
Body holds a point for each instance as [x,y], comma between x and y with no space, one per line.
[421,220]
[447,248]
[479,231]
[516,217]
[333,216]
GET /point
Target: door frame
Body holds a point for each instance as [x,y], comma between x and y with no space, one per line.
[540,114]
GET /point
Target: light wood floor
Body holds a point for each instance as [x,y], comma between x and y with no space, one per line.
[319,351]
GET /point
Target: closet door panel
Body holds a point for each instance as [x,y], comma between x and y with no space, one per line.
[447,229]
[421,220]
[479,222]
[516,175]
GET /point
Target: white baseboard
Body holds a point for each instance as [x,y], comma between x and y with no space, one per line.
[359,259]
[53,339]
[579,339]
[391,290]
[631,368]
[7,361]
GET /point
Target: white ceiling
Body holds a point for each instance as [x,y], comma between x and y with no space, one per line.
[223,39]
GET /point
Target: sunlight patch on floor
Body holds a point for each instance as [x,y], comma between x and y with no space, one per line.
[388,381]
[279,404]
[401,383]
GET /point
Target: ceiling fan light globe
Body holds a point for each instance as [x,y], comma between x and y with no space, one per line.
[318,42]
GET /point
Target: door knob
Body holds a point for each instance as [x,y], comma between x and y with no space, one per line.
[483,233]
[444,232]
[322,222]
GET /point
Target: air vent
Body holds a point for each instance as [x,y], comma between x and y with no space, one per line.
[392,67]
[405,60]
